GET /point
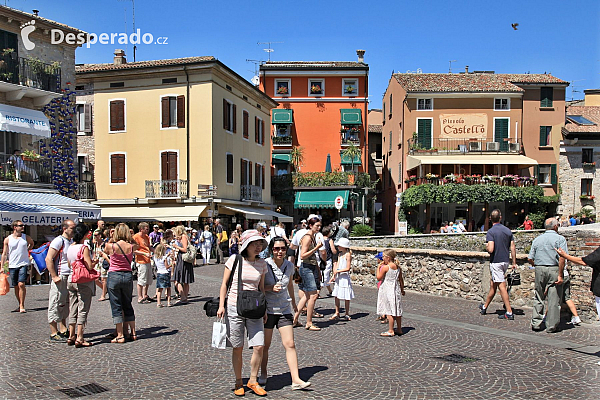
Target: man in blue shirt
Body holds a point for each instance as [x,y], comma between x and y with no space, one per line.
[499,243]
[572,220]
[549,276]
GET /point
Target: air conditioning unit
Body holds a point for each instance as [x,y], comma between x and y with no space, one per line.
[493,146]
[474,146]
[514,147]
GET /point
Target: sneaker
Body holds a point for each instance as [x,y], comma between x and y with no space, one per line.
[575,320]
[64,334]
[482,310]
[506,316]
[56,338]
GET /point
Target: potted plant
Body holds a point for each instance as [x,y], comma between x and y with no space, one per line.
[282,90]
[297,157]
[315,89]
[30,155]
[350,89]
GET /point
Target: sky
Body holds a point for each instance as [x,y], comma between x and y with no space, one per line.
[561,37]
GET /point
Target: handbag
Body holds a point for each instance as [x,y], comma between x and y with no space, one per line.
[190,255]
[80,272]
[513,278]
[219,334]
[211,307]
[4,285]
[251,304]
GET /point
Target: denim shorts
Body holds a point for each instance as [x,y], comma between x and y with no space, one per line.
[18,274]
[308,273]
[163,281]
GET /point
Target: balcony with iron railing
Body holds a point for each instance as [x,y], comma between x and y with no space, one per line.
[458,146]
[164,189]
[14,168]
[251,192]
[350,135]
[86,190]
[281,140]
[506,180]
[30,72]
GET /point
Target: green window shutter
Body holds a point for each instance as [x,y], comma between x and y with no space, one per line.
[424,133]
[553,176]
[546,97]
[542,135]
[501,133]
[537,172]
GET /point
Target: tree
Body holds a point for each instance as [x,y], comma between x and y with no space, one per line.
[352,152]
[297,157]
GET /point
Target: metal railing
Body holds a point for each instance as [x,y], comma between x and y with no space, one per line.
[159,189]
[87,190]
[444,146]
[251,192]
[282,140]
[30,72]
[16,169]
[507,180]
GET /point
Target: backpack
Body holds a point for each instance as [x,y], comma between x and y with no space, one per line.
[39,256]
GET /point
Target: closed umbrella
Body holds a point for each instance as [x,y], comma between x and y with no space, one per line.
[328,164]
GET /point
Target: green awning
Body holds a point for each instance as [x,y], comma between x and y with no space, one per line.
[282,116]
[282,158]
[351,116]
[348,161]
[319,198]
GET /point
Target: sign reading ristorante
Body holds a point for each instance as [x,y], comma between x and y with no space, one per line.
[463,125]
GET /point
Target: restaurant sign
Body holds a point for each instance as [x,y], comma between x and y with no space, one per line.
[463,126]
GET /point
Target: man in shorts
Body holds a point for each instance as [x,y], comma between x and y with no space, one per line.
[144,264]
[499,243]
[16,249]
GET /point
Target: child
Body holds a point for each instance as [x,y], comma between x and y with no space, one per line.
[379,256]
[341,275]
[389,299]
[163,263]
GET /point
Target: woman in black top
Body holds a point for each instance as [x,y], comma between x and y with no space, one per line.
[591,260]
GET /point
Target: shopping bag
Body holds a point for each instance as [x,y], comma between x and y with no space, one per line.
[4,284]
[219,335]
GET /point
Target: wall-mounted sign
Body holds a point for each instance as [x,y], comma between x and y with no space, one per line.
[463,126]
[402,228]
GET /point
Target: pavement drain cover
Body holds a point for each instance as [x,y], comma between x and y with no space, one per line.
[457,358]
[84,390]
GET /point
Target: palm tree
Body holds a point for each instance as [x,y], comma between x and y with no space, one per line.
[297,157]
[352,152]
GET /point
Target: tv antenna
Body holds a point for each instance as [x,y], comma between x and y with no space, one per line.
[255,79]
[133,12]
[573,90]
[269,50]
[450,67]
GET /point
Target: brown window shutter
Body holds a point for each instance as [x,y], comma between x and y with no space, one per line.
[181,111]
[113,116]
[121,168]
[234,119]
[263,176]
[225,115]
[164,165]
[87,116]
[120,115]
[113,168]
[172,165]
[242,172]
[262,132]
[256,175]
[249,172]
[256,129]
[117,168]
[246,122]
[229,168]
[164,105]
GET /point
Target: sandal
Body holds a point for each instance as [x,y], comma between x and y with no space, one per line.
[133,338]
[384,321]
[312,328]
[118,339]
[335,317]
[296,324]
[79,344]
[386,334]
[71,341]
[346,318]
[317,315]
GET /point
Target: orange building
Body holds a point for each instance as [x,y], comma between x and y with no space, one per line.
[469,128]
[322,110]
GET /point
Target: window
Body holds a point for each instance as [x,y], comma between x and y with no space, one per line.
[424,133]
[391,108]
[172,111]
[390,177]
[587,155]
[229,158]
[316,87]
[229,116]
[84,166]
[547,174]
[282,130]
[245,124]
[169,80]
[259,175]
[501,104]
[168,166]
[586,187]
[378,151]
[246,172]
[281,169]
[118,168]
[383,107]
[259,131]
[350,168]
[400,172]
[117,115]
[390,141]
[501,132]
[546,97]
[117,84]
[424,104]
[283,87]
[545,136]
[349,87]
[84,118]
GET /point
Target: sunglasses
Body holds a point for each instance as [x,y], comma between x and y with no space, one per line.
[20,226]
[279,248]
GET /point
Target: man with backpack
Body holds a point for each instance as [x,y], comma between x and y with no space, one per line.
[58,267]
[16,249]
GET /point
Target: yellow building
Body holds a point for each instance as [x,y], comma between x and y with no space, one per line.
[177,140]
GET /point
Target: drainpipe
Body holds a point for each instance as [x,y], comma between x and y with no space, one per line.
[187,129]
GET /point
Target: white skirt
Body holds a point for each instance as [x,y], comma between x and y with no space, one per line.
[343,287]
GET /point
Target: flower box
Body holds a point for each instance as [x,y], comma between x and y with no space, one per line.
[589,164]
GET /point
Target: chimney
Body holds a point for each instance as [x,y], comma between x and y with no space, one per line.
[466,69]
[361,56]
[36,12]
[119,57]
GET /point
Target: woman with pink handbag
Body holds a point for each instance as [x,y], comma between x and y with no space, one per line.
[80,285]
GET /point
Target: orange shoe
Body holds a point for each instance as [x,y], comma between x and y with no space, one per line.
[255,387]
[239,390]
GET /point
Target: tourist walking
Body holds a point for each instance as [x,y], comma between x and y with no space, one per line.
[389,298]
[549,272]
[218,231]
[279,292]
[183,272]
[163,263]
[234,241]
[16,249]
[80,294]
[253,270]
[500,244]
[59,270]
[341,276]
[120,283]
[330,252]
[206,242]
[143,260]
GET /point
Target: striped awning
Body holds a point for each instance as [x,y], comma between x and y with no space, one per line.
[83,210]
[31,214]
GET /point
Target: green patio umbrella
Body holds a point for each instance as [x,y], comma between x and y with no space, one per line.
[328,164]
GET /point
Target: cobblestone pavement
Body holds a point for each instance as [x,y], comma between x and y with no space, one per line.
[173,357]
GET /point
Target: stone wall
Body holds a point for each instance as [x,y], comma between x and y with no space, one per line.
[465,274]
[571,173]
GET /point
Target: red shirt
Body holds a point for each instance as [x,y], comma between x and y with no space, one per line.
[528,225]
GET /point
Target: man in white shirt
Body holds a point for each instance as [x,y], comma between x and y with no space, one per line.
[16,249]
[58,301]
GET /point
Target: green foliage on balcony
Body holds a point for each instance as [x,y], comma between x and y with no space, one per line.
[457,193]
[282,139]
[324,179]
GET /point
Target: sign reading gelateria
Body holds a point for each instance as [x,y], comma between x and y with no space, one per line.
[463,125]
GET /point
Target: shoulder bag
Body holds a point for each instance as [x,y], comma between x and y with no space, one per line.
[211,307]
[80,273]
[251,304]
[190,255]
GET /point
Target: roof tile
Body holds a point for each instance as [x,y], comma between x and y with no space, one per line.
[87,68]
[311,64]
[591,113]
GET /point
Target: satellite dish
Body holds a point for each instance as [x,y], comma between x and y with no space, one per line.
[255,80]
